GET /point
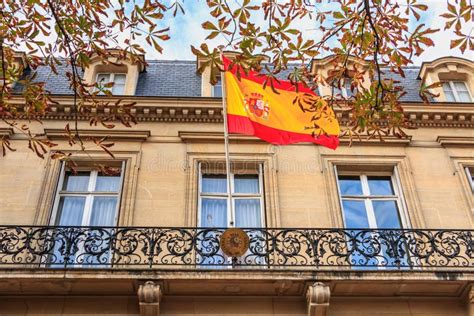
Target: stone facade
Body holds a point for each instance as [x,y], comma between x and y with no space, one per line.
[161,158]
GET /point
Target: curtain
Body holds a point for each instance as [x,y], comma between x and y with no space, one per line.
[77,183]
[107,184]
[247,213]
[246,184]
[103,211]
[214,183]
[213,212]
[72,211]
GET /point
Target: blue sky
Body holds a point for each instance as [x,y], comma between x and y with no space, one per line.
[185,30]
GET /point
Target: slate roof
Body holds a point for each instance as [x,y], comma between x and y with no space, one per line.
[179,78]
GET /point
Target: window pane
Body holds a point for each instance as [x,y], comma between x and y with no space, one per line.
[460,86]
[246,183]
[76,182]
[217,89]
[71,210]
[103,211]
[464,96]
[247,213]
[213,213]
[119,79]
[355,214]
[449,96]
[380,186]
[119,84]
[118,89]
[448,92]
[107,183]
[350,185]
[386,214]
[347,86]
[103,79]
[214,183]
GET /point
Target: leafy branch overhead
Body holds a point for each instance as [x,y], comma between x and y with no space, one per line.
[265,35]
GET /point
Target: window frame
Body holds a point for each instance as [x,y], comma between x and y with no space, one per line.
[454,91]
[112,79]
[89,195]
[470,176]
[232,196]
[367,198]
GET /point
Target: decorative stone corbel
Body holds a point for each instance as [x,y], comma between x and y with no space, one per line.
[149,297]
[318,296]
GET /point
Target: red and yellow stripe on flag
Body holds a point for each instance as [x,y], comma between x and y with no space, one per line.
[273,117]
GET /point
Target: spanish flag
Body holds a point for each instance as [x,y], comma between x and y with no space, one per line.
[275,117]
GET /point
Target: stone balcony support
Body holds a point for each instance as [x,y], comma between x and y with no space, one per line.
[149,298]
[318,296]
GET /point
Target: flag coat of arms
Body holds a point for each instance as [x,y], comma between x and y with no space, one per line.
[274,116]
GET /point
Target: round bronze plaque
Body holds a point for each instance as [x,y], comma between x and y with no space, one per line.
[234,242]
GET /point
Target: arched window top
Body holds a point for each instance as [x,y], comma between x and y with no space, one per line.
[456,76]
[343,86]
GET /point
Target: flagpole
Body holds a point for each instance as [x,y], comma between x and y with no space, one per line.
[226,145]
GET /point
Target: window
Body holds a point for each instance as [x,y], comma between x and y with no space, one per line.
[369,201]
[88,198]
[456,91]
[246,199]
[116,78]
[370,204]
[470,177]
[217,88]
[215,212]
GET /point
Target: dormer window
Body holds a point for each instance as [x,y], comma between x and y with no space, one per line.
[456,91]
[118,80]
[455,75]
[217,88]
[117,67]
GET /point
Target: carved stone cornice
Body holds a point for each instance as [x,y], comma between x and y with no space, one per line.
[209,110]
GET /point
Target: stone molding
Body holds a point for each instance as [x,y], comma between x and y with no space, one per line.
[318,296]
[457,141]
[111,134]
[188,136]
[149,298]
[209,110]
[7,132]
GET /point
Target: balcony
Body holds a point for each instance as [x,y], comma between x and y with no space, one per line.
[53,247]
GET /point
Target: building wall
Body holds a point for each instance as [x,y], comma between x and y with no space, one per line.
[164,178]
[160,190]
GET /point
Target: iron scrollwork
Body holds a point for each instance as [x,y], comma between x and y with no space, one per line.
[154,247]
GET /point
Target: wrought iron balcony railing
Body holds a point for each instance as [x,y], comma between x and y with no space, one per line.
[152,247]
